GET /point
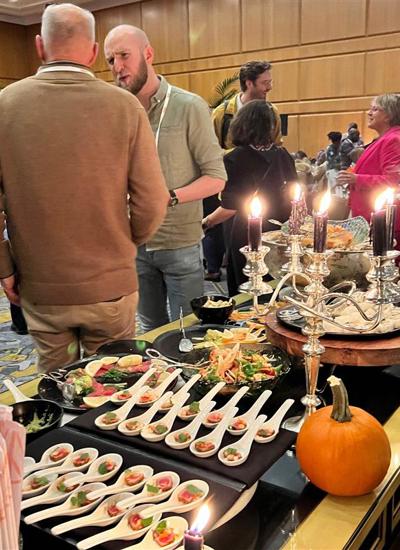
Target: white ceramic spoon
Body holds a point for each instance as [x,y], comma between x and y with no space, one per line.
[178,524]
[28,463]
[241,423]
[78,461]
[46,461]
[69,507]
[158,430]
[105,514]
[103,468]
[215,417]
[41,483]
[167,404]
[111,419]
[54,493]
[214,438]
[158,391]
[117,397]
[185,413]
[122,531]
[272,425]
[237,453]
[194,490]
[153,490]
[181,439]
[132,426]
[130,480]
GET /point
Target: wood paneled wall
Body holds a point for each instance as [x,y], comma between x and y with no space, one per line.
[330,57]
[14,63]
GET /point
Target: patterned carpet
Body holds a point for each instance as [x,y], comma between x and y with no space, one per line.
[18,356]
[17,353]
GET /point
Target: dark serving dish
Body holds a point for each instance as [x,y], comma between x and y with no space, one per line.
[48,389]
[212,315]
[24,413]
[278,356]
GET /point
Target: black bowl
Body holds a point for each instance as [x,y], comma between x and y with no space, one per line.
[48,411]
[203,386]
[212,315]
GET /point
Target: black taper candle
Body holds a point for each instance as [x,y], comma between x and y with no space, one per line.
[320,231]
[254,232]
[379,233]
[193,541]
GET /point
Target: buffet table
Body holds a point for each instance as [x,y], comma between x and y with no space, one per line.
[286,511]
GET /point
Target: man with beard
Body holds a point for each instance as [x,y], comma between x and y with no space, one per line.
[169,265]
[255,82]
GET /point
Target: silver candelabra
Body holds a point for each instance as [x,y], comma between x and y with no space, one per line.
[316,302]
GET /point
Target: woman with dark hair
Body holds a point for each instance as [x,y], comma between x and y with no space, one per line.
[256,165]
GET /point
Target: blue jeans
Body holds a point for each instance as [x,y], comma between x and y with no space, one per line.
[173,275]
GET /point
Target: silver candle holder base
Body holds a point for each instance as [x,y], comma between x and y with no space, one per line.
[383,273]
[255,269]
[295,252]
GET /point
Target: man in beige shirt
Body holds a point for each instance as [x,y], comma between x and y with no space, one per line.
[169,265]
[72,149]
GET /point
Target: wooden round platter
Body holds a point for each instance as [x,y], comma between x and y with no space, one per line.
[357,352]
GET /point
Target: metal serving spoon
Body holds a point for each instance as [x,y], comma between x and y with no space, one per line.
[185,345]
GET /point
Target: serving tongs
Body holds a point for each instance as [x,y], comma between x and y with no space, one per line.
[66,388]
[156,355]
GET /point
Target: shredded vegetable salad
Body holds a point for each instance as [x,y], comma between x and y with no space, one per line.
[235,365]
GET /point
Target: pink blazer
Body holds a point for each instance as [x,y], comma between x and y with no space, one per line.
[378,167]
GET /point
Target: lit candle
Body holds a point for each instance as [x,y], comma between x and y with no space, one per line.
[255,224]
[390,217]
[321,223]
[379,230]
[294,220]
[193,539]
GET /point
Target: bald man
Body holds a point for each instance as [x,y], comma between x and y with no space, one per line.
[72,149]
[169,265]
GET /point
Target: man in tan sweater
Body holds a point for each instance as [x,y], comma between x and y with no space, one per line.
[72,149]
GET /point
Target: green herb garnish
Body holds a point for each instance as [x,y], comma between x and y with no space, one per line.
[160,429]
[194,407]
[147,521]
[183,437]
[161,526]
[152,488]
[193,490]
[103,468]
[40,481]
[79,500]
[231,451]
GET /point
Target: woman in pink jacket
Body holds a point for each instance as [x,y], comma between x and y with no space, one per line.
[379,165]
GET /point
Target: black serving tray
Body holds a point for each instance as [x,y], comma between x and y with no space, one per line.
[262,456]
[223,492]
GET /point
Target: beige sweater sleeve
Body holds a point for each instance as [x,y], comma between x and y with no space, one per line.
[148,194]
[6,261]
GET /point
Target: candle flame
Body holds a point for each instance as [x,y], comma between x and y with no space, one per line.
[297,192]
[389,196]
[380,201]
[325,202]
[201,520]
[255,207]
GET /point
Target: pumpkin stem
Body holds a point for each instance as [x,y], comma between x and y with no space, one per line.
[341,410]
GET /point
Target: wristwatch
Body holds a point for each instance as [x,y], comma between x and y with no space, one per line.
[173,200]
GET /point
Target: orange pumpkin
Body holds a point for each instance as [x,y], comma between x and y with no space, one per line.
[343,450]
